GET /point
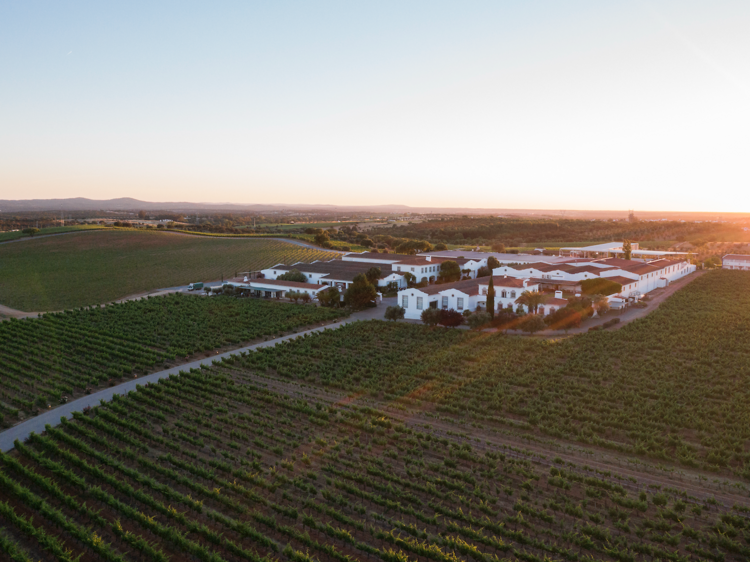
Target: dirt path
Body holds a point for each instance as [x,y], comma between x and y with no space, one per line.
[698,484]
[52,417]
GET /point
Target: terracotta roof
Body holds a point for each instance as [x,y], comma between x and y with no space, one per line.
[502,281]
[334,269]
[641,269]
[589,269]
[378,256]
[276,282]
[736,257]
[280,283]
[621,280]
[619,262]
[471,286]
[560,282]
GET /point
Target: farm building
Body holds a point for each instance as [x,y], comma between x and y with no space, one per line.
[468,294]
[275,288]
[736,261]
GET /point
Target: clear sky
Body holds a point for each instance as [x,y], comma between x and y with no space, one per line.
[525,104]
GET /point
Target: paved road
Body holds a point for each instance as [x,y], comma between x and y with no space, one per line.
[52,417]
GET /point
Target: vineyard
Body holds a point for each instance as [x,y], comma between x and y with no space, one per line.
[82,269]
[213,465]
[65,354]
[671,386]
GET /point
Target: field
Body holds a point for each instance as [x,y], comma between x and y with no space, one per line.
[5,236]
[95,267]
[216,465]
[64,354]
[673,385]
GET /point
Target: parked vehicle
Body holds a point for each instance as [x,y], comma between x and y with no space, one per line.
[195,286]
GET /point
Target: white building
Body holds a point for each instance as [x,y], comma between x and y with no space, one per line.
[274,288]
[464,295]
[736,261]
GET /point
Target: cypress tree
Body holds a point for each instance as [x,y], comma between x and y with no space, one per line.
[491,298]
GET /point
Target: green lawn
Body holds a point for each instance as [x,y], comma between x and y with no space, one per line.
[95,267]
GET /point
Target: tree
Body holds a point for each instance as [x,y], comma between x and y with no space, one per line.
[532,300]
[322,238]
[305,297]
[410,278]
[483,271]
[293,295]
[440,247]
[360,293]
[30,231]
[491,299]
[532,323]
[492,263]
[413,246]
[564,318]
[430,316]
[450,318]
[449,271]
[394,313]
[505,319]
[601,304]
[498,247]
[293,275]
[329,297]
[141,214]
[626,249]
[373,275]
[478,320]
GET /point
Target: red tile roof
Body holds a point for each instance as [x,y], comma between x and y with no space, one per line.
[277,282]
[736,257]
[621,280]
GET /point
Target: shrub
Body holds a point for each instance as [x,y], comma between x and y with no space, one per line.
[600,286]
[394,313]
[478,320]
[450,318]
[430,316]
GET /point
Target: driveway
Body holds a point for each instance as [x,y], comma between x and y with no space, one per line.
[52,417]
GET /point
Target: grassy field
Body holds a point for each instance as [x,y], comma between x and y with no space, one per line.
[220,465]
[62,354]
[96,267]
[5,236]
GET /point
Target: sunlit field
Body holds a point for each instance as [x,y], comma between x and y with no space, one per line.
[95,267]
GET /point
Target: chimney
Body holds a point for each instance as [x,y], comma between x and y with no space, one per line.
[428,258]
[558,294]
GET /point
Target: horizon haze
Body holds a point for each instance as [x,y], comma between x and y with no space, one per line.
[583,105]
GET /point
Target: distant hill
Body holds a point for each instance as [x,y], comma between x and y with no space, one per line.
[130,204]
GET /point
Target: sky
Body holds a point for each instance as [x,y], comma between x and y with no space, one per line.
[533,104]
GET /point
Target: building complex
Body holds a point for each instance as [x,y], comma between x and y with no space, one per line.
[415,277]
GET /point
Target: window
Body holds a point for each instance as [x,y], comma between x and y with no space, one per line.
[504,294]
[412,269]
[460,304]
[512,294]
[541,310]
[445,302]
[398,268]
[405,301]
[419,303]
